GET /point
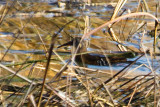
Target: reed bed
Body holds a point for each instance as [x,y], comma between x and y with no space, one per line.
[52,77]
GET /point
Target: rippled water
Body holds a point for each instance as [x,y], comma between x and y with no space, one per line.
[102,12]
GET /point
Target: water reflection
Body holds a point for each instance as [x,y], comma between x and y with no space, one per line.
[79,10]
[145,68]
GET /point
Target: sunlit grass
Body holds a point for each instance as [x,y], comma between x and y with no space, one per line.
[52,76]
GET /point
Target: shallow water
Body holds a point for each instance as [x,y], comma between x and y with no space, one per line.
[25,38]
[102,12]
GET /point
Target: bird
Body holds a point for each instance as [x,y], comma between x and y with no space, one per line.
[85,57]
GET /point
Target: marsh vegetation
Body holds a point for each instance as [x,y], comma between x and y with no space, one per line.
[79,53]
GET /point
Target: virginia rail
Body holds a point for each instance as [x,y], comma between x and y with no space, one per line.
[94,58]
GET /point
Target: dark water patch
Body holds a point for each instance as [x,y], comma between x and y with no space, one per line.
[6,34]
[3,2]
[27,51]
[80,10]
[132,44]
[97,37]
[38,52]
[120,66]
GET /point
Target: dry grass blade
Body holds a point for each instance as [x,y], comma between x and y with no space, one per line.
[61,95]
[109,93]
[13,72]
[133,79]
[155,77]
[146,5]
[111,32]
[16,36]
[133,84]
[42,41]
[100,86]
[138,95]
[49,58]
[118,19]
[14,94]
[132,96]
[32,99]
[6,11]
[25,97]
[49,98]
[155,31]
[113,21]
[119,5]
[140,26]
[60,72]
